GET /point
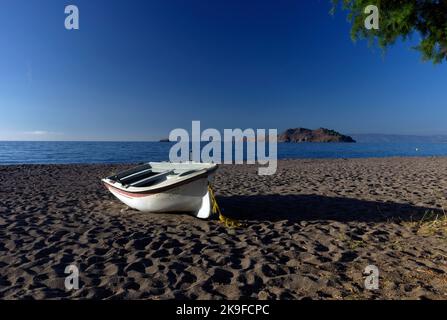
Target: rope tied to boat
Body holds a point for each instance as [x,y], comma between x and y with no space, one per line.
[228,222]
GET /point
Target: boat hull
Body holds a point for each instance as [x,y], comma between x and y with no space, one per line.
[192,197]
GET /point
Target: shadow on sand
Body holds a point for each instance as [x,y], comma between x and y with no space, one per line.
[316,207]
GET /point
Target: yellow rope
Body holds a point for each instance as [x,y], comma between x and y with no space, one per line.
[230,223]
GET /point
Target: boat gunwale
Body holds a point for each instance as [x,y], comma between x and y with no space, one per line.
[154,189]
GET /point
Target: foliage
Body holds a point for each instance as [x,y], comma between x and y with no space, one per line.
[402,19]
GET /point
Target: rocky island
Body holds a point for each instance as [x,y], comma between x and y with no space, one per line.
[308,135]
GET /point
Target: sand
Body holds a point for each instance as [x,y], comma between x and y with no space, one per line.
[311,230]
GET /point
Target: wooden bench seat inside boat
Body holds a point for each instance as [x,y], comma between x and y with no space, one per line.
[141,176]
[127,175]
[151,179]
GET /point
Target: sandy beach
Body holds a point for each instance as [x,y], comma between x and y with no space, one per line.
[311,230]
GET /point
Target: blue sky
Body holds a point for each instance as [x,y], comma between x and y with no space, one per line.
[137,69]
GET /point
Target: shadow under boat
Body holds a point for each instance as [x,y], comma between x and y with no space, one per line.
[316,207]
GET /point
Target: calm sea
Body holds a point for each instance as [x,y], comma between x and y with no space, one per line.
[131,152]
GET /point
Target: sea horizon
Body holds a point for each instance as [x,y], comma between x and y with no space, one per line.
[358,137]
[93,152]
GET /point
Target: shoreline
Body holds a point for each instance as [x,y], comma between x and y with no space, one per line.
[312,229]
[130,163]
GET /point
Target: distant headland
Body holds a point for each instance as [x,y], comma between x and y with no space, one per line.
[297,135]
[307,135]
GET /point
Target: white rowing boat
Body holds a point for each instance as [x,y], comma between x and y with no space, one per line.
[165,187]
